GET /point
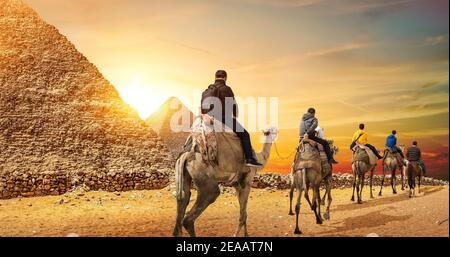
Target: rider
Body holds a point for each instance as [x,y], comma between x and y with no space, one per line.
[225,115]
[308,124]
[413,154]
[361,137]
[391,144]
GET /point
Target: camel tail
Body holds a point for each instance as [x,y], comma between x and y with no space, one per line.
[179,173]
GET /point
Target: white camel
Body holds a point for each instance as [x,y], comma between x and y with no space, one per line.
[190,167]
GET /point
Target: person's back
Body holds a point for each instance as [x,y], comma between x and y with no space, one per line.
[224,94]
[361,137]
[391,141]
[413,154]
[308,125]
[218,101]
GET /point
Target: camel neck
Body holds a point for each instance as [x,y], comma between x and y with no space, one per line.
[266,151]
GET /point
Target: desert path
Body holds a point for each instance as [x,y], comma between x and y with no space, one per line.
[152,213]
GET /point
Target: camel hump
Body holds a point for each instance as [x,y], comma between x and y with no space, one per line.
[213,143]
[364,154]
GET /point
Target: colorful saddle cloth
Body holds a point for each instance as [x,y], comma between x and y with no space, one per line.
[204,139]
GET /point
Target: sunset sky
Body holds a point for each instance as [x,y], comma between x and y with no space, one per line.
[384,63]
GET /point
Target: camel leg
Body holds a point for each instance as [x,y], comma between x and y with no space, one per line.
[307,196]
[361,184]
[316,204]
[419,180]
[242,194]
[182,204]
[393,181]
[299,186]
[402,177]
[372,171]
[208,191]
[291,195]
[382,181]
[327,212]
[354,186]
[411,182]
[322,199]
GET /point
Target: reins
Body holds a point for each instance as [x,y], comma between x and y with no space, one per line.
[300,148]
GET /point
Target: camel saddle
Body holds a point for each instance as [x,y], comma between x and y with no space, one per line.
[372,157]
[305,160]
[399,158]
[203,139]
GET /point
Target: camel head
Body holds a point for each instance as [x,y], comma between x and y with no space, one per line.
[270,134]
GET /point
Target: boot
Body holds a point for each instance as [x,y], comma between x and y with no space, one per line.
[333,161]
[252,162]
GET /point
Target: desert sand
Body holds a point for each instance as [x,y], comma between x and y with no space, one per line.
[152,212]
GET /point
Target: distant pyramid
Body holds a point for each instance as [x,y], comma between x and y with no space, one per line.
[172,110]
[58,113]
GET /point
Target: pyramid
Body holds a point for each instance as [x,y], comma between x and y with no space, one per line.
[61,122]
[172,110]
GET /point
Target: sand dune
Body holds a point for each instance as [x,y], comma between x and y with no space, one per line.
[152,213]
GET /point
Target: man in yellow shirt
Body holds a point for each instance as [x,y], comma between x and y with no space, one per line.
[361,137]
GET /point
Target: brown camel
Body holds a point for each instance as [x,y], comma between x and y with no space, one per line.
[327,182]
[413,171]
[390,164]
[307,172]
[191,167]
[360,166]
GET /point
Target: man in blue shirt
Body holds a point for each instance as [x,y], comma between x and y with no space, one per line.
[391,144]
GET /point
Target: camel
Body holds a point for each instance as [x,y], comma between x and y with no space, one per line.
[191,167]
[307,172]
[414,171]
[360,166]
[391,163]
[327,181]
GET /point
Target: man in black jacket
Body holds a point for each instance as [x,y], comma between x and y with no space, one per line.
[413,154]
[221,94]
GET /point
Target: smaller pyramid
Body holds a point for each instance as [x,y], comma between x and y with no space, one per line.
[172,121]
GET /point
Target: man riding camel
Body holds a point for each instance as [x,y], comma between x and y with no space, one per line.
[227,113]
[361,137]
[413,154]
[391,144]
[308,125]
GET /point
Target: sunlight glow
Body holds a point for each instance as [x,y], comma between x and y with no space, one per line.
[144,98]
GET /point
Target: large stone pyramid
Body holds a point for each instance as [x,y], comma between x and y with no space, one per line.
[172,110]
[61,122]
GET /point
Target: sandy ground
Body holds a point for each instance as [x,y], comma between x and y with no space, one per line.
[152,213]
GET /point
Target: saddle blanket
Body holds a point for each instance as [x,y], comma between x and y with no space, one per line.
[372,157]
[204,139]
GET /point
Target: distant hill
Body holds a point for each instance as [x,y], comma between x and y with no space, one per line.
[172,110]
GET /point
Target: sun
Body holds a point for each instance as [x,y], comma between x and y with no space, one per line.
[144,98]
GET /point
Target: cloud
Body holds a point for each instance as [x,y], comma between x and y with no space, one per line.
[336,50]
[430,84]
[370,7]
[285,3]
[437,40]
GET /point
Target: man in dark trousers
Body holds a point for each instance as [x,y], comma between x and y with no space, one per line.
[221,94]
[308,125]
[413,154]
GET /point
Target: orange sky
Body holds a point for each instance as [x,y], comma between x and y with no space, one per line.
[384,63]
